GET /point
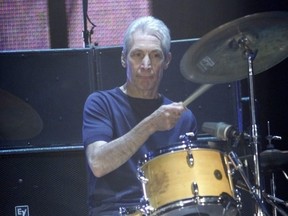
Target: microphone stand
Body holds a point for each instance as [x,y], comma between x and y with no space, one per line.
[85,31]
[254,134]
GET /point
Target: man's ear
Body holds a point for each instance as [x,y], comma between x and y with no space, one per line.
[167,61]
[123,60]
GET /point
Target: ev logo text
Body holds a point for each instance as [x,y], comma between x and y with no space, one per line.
[22,210]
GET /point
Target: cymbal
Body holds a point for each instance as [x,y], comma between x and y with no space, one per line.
[273,158]
[18,120]
[220,57]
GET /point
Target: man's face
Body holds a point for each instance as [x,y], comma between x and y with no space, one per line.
[145,63]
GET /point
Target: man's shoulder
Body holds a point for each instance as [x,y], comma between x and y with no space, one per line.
[107,93]
[110,96]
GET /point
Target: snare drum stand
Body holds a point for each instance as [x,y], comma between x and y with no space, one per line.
[239,166]
[272,180]
[273,200]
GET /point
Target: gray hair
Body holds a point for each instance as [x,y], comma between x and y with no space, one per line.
[151,26]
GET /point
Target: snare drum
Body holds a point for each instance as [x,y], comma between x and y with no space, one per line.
[183,180]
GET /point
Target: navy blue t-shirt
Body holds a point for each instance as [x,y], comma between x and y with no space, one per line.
[107,116]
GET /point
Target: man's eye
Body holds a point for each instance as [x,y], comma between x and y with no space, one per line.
[138,54]
[157,55]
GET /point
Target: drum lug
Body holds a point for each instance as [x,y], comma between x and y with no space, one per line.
[189,158]
[195,189]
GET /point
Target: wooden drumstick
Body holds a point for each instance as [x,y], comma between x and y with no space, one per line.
[197,93]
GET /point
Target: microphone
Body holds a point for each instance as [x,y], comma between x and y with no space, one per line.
[220,130]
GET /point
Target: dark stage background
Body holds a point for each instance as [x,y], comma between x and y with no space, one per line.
[47,171]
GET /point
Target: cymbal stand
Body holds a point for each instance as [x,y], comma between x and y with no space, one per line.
[243,41]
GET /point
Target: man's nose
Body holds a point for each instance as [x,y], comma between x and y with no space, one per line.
[146,62]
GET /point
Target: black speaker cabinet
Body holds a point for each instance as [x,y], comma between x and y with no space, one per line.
[47,182]
[55,84]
